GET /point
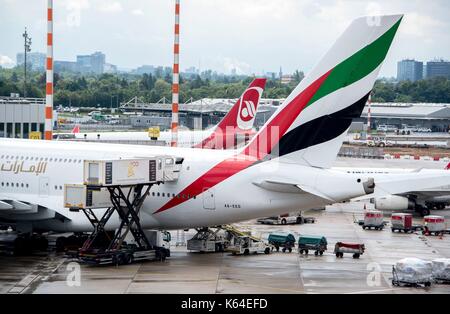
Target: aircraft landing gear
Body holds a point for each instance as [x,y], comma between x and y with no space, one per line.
[423,211]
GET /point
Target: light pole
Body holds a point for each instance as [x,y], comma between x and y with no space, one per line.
[27,48]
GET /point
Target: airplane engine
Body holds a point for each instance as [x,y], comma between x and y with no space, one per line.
[393,202]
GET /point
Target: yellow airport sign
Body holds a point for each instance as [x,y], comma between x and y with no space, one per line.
[153,133]
[35,135]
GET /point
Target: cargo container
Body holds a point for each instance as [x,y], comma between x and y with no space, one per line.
[373,219]
[284,240]
[434,225]
[123,171]
[314,243]
[80,196]
[401,222]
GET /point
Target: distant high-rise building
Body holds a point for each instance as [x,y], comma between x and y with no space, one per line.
[65,66]
[438,68]
[409,70]
[36,60]
[93,63]
[148,69]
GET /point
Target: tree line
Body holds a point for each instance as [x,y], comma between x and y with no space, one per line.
[109,89]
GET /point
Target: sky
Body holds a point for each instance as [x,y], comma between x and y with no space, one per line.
[251,36]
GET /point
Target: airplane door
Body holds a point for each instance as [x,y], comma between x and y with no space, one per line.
[44,186]
[209,201]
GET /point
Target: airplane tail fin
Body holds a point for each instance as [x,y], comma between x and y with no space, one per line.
[76,129]
[242,115]
[239,120]
[447,167]
[309,127]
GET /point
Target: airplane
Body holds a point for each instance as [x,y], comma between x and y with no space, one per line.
[284,166]
[233,130]
[401,194]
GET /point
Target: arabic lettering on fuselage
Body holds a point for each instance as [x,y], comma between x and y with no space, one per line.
[24,167]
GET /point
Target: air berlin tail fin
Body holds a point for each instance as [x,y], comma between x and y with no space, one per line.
[309,127]
[448,166]
[76,129]
[239,120]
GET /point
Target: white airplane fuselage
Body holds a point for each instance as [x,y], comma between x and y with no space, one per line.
[235,198]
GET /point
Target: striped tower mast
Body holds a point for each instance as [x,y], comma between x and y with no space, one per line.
[176,76]
[49,75]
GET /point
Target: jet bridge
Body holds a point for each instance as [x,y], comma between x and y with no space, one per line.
[121,186]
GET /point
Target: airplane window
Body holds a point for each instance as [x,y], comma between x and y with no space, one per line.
[27,185]
[164,194]
[70,160]
[41,158]
[21,185]
[158,194]
[153,193]
[2,156]
[60,187]
[65,160]
[46,159]
[17,185]
[173,195]
[3,183]
[27,158]
[21,157]
[7,183]
[56,187]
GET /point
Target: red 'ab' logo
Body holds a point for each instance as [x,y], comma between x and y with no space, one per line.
[247,108]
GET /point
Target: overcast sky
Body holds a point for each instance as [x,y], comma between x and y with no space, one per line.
[250,35]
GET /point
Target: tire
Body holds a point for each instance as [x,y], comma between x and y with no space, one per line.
[321,253]
[356,255]
[61,244]
[306,252]
[290,250]
[299,220]
[301,251]
[316,253]
[283,221]
[364,227]
[267,251]
[428,284]
[337,254]
[277,248]
[246,252]
[284,250]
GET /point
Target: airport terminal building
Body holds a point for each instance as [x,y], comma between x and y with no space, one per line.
[425,115]
[21,116]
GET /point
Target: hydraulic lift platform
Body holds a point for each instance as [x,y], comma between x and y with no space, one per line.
[111,183]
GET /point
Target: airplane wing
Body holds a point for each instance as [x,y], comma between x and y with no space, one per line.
[14,209]
[417,183]
[292,187]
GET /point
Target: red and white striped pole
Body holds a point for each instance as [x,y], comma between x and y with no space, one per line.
[176,76]
[48,128]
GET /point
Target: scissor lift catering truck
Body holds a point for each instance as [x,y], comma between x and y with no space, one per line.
[121,186]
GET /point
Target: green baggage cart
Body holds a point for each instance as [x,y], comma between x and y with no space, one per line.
[286,241]
[313,243]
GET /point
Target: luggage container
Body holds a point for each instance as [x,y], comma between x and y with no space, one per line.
[373,219]
[314,243]
[434,225]
[284,240]
[412,272]
[441,270]
[401,222]
[357,249]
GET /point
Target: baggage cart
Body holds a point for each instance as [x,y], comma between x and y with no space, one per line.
[357,249]
[284,240]
[401,222]
[318,244]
